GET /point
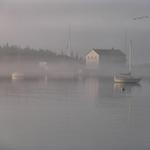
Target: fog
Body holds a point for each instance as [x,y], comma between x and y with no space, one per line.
[34,71]
[94,24]
[54,70]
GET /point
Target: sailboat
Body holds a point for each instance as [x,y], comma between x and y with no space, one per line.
[127,77]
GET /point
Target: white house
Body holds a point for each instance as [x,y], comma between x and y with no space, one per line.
[105,56]
[92,57]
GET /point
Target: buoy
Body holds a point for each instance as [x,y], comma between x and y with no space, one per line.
[122,89]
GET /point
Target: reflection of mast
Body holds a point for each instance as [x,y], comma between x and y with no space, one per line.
[129,111]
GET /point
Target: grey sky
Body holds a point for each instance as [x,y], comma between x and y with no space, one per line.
[94,24]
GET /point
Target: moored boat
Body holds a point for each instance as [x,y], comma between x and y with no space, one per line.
[17,76]
[127,77]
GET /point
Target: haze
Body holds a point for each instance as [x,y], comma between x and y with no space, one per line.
[94,24]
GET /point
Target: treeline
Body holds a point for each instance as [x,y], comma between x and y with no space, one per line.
[13,53]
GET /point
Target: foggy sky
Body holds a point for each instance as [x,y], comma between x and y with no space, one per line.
[94,24]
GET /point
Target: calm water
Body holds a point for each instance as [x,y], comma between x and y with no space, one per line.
[89,114]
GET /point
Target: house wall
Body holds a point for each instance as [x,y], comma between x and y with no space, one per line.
[112,59]
[92,58]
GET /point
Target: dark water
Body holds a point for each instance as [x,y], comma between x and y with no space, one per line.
[89,114]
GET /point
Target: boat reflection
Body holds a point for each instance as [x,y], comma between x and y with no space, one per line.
[105,88]
[124,89]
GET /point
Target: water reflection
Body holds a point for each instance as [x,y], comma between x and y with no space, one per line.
[122,89]
[105,87]
[93,87]
[93,90]
[92,113]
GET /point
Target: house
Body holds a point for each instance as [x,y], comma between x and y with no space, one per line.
[105,56]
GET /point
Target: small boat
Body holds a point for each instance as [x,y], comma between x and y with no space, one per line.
[17,76]
[127,77]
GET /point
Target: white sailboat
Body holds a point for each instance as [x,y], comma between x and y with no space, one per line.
[127,77]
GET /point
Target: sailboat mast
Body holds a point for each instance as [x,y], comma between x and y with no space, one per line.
[130,56]
[69,47]
[69,41]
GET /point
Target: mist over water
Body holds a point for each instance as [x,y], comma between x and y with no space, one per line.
[89,113]
[49,98]
[33,69]
[65,69]
[78,106]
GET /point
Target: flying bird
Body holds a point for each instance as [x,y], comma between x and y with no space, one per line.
[140,17]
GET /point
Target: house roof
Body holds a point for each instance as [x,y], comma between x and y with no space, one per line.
[115,52]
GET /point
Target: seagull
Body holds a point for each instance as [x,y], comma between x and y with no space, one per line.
[140,17]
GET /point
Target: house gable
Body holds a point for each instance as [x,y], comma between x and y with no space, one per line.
[92,57]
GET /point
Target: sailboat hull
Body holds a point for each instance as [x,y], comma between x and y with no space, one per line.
[128,79]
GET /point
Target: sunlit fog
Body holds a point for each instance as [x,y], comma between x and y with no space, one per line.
[94,24]
[74,74]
